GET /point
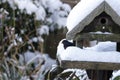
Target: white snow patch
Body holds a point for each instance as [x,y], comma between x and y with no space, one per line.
[52,5]
[40,13]
[44,29]
[30,7]
[103,46]
[99,32]
[115,74]
[31,57]
[27,5]
[60,47]
[115,5]
[46,67]
[66,7]
[103,52]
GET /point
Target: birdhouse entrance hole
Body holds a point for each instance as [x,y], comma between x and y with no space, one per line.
[103,20]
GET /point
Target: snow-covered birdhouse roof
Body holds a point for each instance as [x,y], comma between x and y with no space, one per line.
[85,12]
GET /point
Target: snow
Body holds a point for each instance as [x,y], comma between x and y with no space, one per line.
[30,8]
[103,46]
[35,39]
[59,12]
[115,74]
[26,4]
[114,4]
[37,58]
[38,7]
[76,54]
[44,29]
[52,5]
[99,32]
[32,57]
[66,7]
[78,72]
[59,16]
[59,19]
[80,11]
[12,5]
[40,13]
[60,47]
[51,12]
[46,67]
[103,52]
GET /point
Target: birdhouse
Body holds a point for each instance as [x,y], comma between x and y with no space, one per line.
[101,22]
[93,20]
[102,28]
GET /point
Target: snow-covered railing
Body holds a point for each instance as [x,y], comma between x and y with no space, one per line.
[97,57]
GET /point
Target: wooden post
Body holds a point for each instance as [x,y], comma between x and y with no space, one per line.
[99,74]
[118,46]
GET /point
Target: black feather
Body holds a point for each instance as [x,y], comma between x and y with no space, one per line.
[67,44]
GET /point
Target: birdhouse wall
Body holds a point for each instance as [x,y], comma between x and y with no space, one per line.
[103,23]
[81,43]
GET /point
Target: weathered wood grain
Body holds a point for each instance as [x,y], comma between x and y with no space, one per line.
[99,37]
[90,65]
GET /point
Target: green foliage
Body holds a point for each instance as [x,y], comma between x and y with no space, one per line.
[117,78]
